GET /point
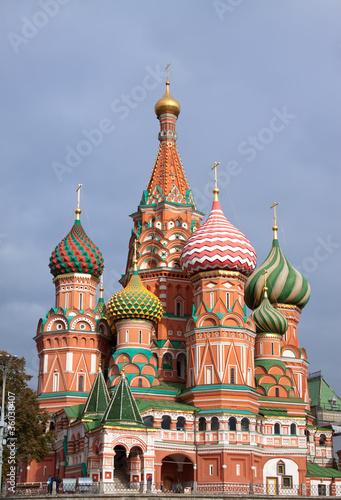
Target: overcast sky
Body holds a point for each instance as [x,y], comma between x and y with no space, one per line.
[259,87]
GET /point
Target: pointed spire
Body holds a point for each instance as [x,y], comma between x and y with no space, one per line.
[275,227]
[215,189]
[98,398]
[122,408]
[100,307]
[265,288]
[78,211]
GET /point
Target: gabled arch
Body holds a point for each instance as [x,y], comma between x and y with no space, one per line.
[232,319]
[208,320]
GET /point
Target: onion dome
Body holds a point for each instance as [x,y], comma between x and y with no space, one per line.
[268,319]
[167,104]
[286,285]
[134,302]
[76,253]
[217,244]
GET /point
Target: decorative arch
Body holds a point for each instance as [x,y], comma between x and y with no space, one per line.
[208,320]
[57,319]
[84,319]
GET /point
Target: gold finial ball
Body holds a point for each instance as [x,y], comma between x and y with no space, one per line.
[167,104]
[78,211]
[215,190]
[275,228]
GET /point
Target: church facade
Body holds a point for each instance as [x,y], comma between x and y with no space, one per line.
[173,380]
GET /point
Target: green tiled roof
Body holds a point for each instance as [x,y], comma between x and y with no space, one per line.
[147,405]
[227,411]
[122,407]
[98,398]
[273,411]
[314,470]
[320,393]
[74,411]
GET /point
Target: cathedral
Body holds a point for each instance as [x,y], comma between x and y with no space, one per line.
[193,373]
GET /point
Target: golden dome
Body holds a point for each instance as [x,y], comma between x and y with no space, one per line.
[167,104]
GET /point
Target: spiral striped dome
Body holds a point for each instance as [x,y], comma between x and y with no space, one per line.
[217,244]
[268,319]
[76,253]
[134,301]
[286,285]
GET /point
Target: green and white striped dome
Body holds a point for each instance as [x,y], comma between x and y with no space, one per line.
[286,285]
[268,319]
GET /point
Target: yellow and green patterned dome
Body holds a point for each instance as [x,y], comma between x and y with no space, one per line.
[134,302]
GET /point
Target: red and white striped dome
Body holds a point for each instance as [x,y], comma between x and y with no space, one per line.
[217,244]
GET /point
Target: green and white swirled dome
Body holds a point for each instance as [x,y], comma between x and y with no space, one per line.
[268,319]
[286,285]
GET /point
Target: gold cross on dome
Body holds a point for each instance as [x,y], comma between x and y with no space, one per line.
[265,272]
[216,164]
[274,207]
[167,69]
[124,359]
[78,191]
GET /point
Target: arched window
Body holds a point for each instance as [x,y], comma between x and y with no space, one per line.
[139,383]
[202,424]
[167,361]
[232,424]
[211,300]
[152,222]
[227,301]
[293,429]
[277,428]
[166,422]
[272,348]
[180,424]
[307,434]
[140,337]
[178,223]
[277,392]
[322,441]
[245,425]
[80,301]
[81,383]
[181,365]
[214,424]
[178,308]
[232,376]
[148,421]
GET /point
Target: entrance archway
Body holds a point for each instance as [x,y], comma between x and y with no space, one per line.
[135,464]
[176,469]
[120,465]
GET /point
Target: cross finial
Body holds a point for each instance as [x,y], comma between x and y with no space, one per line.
[78,210]
[167,69]
[275,227]
[215,190]
[135,256]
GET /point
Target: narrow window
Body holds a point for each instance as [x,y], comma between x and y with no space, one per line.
[232,376]
[81,383]
[90,305]
[245,424]
[277,429]
[211,300]
[178,308]
[139,384]
[214,424]
[211,470]
[238,469]
[227,301]
[293,429]
[127,336]
[55,382]
[178,223]
[261,348]
[272,348]
[166,422]
[322,441]
[66,300]
[180,424]
[232,424]
[80,301]
[209,375]
[280,468]
[140,337]
[44,473]
[277,392]
[202,424]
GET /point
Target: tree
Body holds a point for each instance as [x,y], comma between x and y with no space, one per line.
[29,431]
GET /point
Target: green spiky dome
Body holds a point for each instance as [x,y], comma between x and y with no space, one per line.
[135,302]
[268,319]
[286,285]
[76,253]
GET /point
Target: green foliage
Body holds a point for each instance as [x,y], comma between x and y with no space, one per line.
[31,439]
